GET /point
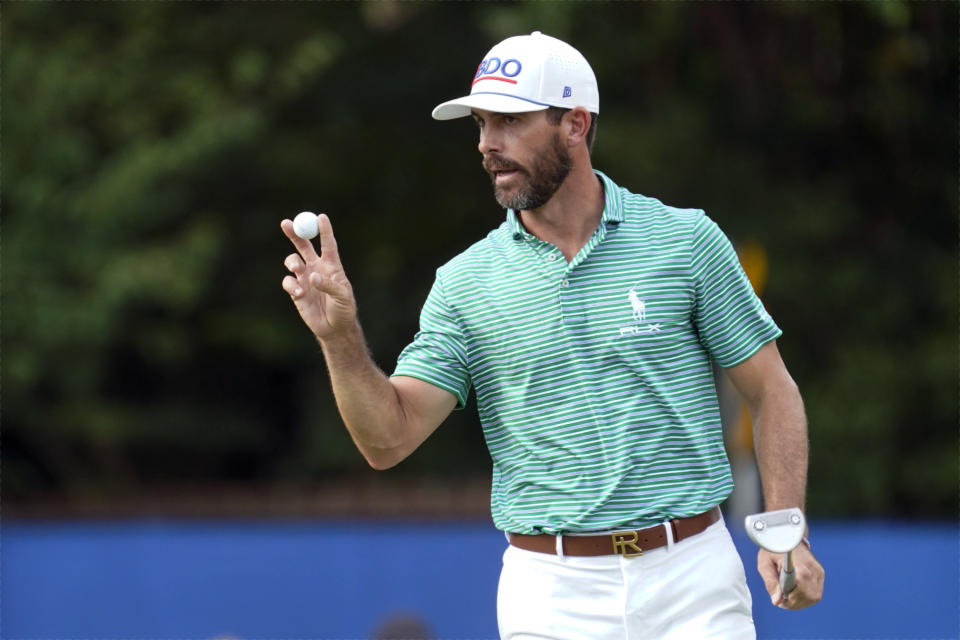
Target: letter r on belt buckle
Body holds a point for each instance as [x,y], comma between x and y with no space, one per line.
[624,539]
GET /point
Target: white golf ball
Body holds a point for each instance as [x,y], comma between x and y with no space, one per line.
[305,225]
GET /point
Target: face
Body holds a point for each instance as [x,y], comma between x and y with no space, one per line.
[524,156]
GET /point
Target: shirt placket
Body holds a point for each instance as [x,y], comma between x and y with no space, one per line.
[565,294]
[548,259]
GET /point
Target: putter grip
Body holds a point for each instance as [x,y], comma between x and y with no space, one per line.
[788,580]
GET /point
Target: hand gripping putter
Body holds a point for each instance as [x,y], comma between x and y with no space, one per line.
[779,532]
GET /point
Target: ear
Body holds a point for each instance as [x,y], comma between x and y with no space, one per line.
[577,124]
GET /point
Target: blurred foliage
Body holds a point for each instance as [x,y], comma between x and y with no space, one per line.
[150,150]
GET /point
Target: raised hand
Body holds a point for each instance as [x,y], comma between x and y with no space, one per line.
[317,284]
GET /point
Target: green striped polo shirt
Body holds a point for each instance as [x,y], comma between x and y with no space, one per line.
[593,379]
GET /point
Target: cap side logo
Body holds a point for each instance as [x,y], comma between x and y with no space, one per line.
[508,70]
[567,92]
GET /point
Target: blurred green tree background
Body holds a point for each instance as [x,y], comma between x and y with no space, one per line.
[149,151]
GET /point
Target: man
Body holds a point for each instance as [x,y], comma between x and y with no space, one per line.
[586,323]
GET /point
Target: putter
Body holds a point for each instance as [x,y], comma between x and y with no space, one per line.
[779,532]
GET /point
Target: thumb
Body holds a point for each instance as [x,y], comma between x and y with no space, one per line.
[328,285]
[776,597]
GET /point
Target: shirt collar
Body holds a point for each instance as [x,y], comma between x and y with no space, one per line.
[612,208]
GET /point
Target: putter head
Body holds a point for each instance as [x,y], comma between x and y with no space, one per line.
[776,531]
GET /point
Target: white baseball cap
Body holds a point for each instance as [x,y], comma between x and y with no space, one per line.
[528,73]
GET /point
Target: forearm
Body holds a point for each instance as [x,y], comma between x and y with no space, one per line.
[387,419]
[780,436]
[368,403]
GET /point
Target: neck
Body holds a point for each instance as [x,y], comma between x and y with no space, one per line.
[571,216]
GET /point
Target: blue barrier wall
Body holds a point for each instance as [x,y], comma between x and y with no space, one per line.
[326,580]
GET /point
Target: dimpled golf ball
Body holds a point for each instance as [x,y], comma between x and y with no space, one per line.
[305,225]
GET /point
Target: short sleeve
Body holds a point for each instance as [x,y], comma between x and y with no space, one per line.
[731,320]
[438,354]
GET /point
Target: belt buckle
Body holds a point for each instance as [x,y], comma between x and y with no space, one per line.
[624,539]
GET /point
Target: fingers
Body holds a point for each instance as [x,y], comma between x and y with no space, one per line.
[809,576]
[291,284]
[294,264]
[769,570]
[328,244]
[768,566]
[329,286]
[323,278]
[292,287]
[304,247]
[332,285]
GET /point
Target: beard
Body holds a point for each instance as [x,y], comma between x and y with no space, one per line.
[551,167]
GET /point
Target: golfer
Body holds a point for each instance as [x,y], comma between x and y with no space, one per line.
[586,324]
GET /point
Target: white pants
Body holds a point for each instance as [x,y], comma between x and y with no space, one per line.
[693,589]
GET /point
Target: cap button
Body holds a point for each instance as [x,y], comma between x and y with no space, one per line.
[536,33]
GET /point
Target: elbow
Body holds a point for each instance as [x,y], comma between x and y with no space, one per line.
[778,394]
[791,385]
[389,446]
[792,391]
[381,460]
[380,465]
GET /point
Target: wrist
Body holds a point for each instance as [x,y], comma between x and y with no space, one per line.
[342,342]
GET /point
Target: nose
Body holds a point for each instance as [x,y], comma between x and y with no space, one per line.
[489,141]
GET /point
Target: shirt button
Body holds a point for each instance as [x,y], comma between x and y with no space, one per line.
[565,283]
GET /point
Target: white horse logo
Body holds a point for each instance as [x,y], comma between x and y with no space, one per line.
[639,308]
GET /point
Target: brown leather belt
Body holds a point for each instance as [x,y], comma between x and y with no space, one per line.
[626,543]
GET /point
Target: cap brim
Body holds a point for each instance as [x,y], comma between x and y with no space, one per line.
[496,102]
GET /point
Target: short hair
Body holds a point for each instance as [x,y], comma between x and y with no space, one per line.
[555,114]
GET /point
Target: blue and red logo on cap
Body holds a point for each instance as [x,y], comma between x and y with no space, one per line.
[508,69]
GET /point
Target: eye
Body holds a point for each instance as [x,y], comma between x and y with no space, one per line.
[510,120]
